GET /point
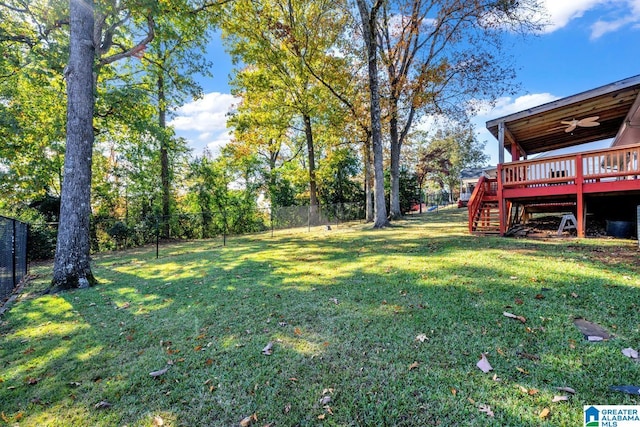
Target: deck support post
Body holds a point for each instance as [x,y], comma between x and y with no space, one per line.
[502,206]
[500,144]
[580,205]
[515,153]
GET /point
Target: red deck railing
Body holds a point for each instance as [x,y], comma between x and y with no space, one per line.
[564,177]
[610,164]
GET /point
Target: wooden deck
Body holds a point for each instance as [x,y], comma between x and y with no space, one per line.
[558,179]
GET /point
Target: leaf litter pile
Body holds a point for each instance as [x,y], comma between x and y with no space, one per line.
[417,329]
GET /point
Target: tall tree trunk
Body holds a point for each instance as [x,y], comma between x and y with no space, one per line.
[394,194]
[368,180]
[313,186]
[164,158]
[368,18]
[72,267]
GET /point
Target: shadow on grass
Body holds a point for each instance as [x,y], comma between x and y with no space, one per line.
[344,311]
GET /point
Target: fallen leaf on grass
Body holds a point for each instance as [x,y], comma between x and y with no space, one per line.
[247,421]
[562,398]
[158,421]
[325,400]
[630,352]
[519,301]
[334,300]
[421,338]
[522,371]
[103,404]
[545,413]
[287,408]
[297,331]
[567,389]
[513,316]
[591,331]
[321,416]
[629,389]
[483,364]
[574,295]
[413,366]
[539,296]
[454,391]
[528,355]
[496,378]
[159,372]
[268,349]
[486,409]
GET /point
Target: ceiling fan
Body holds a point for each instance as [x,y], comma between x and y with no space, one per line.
[587,122]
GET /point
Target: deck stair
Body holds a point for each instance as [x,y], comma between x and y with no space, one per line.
[484,212]
[487,219]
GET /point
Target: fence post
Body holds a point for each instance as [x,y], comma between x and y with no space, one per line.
[14,252]
[224,230]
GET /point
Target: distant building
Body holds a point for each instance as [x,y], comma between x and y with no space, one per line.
[469,178]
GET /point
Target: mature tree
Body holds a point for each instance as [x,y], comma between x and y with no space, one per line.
[452,149]
[32,100]
[91,44]
[439,54]
[277,37]
[261,125]
[171,61]
[336,177]
[369,16]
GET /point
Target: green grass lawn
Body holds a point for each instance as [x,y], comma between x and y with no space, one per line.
[343,309]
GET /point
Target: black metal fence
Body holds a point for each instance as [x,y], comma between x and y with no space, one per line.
[13,255]
[110,233]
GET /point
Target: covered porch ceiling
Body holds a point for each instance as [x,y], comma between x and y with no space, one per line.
[539,129]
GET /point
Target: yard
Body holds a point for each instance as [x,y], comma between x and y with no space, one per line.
[367,328]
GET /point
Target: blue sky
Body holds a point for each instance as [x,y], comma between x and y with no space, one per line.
[589,43]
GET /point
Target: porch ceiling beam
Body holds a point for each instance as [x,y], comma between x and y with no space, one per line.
[616,86]
[512,139]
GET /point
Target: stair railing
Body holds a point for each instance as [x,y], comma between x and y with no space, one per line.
[474,203]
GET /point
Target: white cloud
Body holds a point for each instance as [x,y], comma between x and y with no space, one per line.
[214,145]
[204,122]
[562,11]
[507,105]
[630,15]
[614,14]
